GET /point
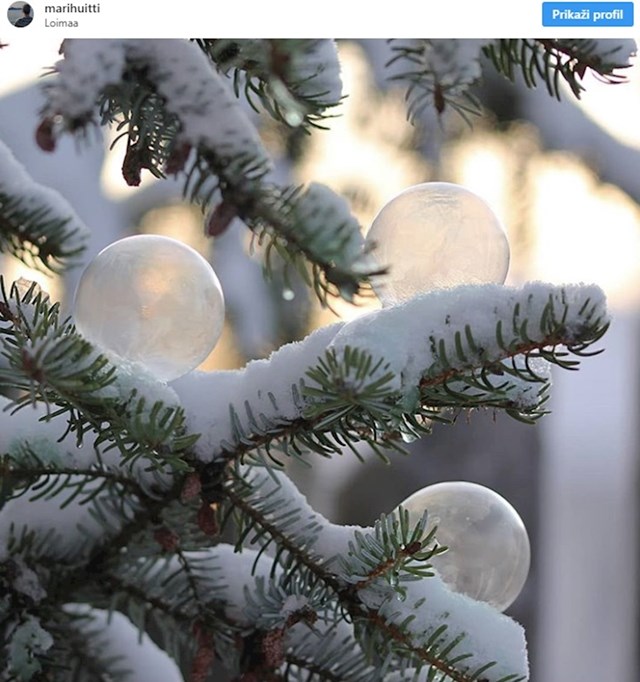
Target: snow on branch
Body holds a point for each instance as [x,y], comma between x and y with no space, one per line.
[208,113]
[438,74]
[406,605]
[37,224]
[179,116]
[50,363]
[295,80]
[297,621]
[470,346]
[455,330]
[117,648]
[192,91]
[39,460]
[363,380]
[276,616]
[271,387]
[25,642]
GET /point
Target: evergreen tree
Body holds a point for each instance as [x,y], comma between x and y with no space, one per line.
[128,504]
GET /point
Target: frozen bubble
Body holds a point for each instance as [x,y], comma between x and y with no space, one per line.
[152,300]
[489,555]
[437,235]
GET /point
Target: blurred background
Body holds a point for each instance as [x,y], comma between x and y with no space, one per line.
[564,177]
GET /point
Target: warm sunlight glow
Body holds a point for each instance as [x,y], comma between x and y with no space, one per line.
[585,232]
[482,168]
[13,270]
[614,107]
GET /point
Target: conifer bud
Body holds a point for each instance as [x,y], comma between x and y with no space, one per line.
[45,138]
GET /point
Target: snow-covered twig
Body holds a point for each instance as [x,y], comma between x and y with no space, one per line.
[36,223]
[390,362]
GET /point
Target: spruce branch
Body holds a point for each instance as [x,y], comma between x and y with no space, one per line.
[390,559]
[310,670]
[555,61]
[36,224]
[376,378]
[49,361]
[372,602]
[438,74]
[80,648]
[311,229]
[270,517]
[434,654]
[129,518]
[183,119]
[370,560]
[182,608]
[295,81]
[146,515]
[38,238]
[111,585]
[45,357]
[108,577]
[24,472]
[332,659]
[283,616]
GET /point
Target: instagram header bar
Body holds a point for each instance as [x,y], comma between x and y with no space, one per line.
[332,18]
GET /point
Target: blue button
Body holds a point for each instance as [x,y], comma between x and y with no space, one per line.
[591,14]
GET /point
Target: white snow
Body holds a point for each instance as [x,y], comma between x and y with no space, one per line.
[405,336]
[202,100]
[130,376]
[73,527]
[489,635]
[337,638]
[331,540]
[71,531]
[32,428]
[316,71]
[319,208]
[27,581]
[233,577]
[236,572]
[265,384]
[88,67]
[16,182]
[292,604]
[29,428]
[139,656]
[525,393]
[27,640]
[209,113]
[454,62]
